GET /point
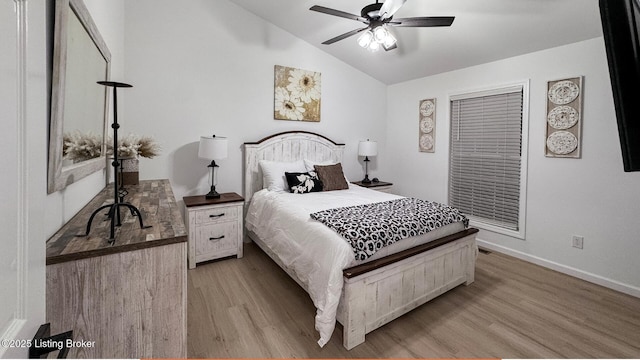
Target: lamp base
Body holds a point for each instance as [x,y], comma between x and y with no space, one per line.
[213,194]
[366,171]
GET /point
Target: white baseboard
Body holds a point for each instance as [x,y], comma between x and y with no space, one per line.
[580,274]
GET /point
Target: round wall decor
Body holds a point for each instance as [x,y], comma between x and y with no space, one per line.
[426,141]
[563,92]
[562,117]
[562,142]
[426,125]
[427,107]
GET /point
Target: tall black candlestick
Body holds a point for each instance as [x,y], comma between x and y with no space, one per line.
[114,209]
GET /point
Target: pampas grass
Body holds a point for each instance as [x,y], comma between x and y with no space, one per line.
[134,146]
[78,146]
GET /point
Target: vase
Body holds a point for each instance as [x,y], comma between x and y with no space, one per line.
[129,172]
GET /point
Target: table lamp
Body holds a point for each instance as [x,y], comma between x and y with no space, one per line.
[366,149]
[212,148]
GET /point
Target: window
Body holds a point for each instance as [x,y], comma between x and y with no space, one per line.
[487,160]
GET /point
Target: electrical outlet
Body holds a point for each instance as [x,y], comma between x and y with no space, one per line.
[577,241]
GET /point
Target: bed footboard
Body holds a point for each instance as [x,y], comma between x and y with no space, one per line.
[377,293]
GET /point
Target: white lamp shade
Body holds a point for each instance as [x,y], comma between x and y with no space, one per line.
[212,147]
[368,148]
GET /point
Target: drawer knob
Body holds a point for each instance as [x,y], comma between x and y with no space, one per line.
[216,238]
[215,216]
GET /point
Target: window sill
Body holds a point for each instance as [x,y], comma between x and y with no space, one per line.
[474,222]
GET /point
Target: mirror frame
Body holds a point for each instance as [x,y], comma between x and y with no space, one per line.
[60,177]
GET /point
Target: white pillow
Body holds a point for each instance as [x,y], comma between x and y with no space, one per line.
[273,173]
[309,165]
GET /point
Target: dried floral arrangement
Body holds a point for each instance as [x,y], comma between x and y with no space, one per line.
[78,146]
[134,146]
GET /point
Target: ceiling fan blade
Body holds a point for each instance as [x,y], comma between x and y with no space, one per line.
[430,21]
[389,7]
[334,12]
[344,36]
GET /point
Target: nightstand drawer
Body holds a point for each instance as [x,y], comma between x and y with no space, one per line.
[381,186]
[221,239]
[215,227]
[385,189]
[217,215]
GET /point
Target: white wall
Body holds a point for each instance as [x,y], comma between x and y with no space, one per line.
[591,196]
[207,67]
[108,16]
[23,178]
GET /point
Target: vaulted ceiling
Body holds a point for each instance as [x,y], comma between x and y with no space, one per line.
[483,31]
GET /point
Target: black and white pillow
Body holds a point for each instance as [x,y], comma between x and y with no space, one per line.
[303,182]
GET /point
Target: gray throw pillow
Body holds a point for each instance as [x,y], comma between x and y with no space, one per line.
[332,177]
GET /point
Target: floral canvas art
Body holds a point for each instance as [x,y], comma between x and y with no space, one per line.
[296,94]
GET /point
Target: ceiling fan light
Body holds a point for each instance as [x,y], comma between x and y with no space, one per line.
[389,41]
[374,46]
[380,34]
[365,39]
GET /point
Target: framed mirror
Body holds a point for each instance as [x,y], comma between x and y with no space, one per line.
[79,106]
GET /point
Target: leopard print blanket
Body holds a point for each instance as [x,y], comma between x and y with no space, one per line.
[370,227]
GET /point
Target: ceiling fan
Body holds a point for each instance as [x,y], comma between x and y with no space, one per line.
[378,17]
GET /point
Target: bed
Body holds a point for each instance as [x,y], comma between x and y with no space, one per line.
[362,295]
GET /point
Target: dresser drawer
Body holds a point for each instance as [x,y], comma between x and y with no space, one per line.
[219,239]
[217,215]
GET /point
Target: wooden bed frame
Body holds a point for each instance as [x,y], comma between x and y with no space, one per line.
[382,290]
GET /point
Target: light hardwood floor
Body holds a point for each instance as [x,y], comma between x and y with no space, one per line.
[250,308]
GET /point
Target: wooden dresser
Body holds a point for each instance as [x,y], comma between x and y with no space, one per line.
[129,299]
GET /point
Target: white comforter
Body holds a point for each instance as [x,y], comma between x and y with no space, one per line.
[314,252]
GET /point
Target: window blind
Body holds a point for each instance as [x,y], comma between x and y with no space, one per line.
[485,157]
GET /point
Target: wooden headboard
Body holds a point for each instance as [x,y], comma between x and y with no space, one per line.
[286,146]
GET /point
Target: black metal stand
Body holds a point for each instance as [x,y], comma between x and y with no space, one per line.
[213,194]
[118,194]
[43,343]
[366,171]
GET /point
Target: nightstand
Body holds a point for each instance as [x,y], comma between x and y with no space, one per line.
[378,186]
[214,227]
